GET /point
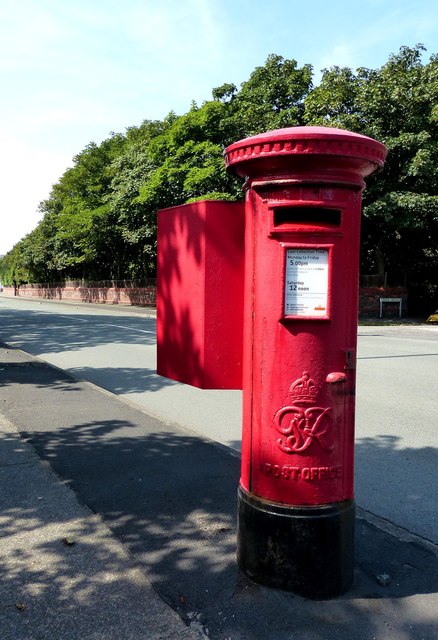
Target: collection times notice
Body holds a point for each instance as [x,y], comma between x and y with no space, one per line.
[306,283]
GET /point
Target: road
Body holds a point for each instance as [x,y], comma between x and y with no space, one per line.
[396,438]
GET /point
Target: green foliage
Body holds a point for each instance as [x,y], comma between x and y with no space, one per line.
[398,105]
[213,195]
[272,97]
[334,102]
[99,221]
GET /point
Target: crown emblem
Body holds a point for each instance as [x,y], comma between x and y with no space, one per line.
[304,390]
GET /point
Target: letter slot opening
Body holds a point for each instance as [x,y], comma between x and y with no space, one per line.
[286,216]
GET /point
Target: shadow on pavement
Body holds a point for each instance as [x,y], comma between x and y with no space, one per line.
[31,327]
[63,575]
[171,499]
[124,380]
[388,476]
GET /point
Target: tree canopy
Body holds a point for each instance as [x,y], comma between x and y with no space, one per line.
[99,221]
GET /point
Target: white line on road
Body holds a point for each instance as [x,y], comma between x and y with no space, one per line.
[118,326]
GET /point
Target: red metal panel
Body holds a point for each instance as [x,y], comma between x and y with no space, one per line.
[200,294]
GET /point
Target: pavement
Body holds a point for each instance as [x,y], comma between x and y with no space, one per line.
[116,525]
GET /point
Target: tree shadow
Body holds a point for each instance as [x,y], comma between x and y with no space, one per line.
[170,499]
[123,380]
[46,332]
[62,573]
[21,369]
[398,481]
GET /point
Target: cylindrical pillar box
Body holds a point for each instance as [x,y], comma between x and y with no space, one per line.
[302,215]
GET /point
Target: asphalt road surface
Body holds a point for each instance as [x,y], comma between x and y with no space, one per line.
[396,437]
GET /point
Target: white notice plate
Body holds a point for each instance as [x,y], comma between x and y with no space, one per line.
[306,283]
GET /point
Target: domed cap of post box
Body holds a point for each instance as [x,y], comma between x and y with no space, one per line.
[306,154]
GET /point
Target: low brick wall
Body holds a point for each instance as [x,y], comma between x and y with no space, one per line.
[369,302]
[369,305]
[135,296]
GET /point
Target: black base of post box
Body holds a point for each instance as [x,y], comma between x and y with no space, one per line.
[306,550]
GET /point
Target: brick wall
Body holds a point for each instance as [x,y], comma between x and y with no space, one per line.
[369,302]
[369,297]
[136,296]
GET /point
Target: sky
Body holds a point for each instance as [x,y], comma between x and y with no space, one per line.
[73,71]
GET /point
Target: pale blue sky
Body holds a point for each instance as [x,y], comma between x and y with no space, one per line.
[72,71]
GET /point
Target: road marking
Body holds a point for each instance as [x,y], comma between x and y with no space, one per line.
[118,326]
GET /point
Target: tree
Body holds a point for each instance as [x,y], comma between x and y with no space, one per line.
[396,104]
[73,214]
[187,161]
[272,97]
[130,234]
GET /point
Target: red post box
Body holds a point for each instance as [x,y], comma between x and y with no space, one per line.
[302,215]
